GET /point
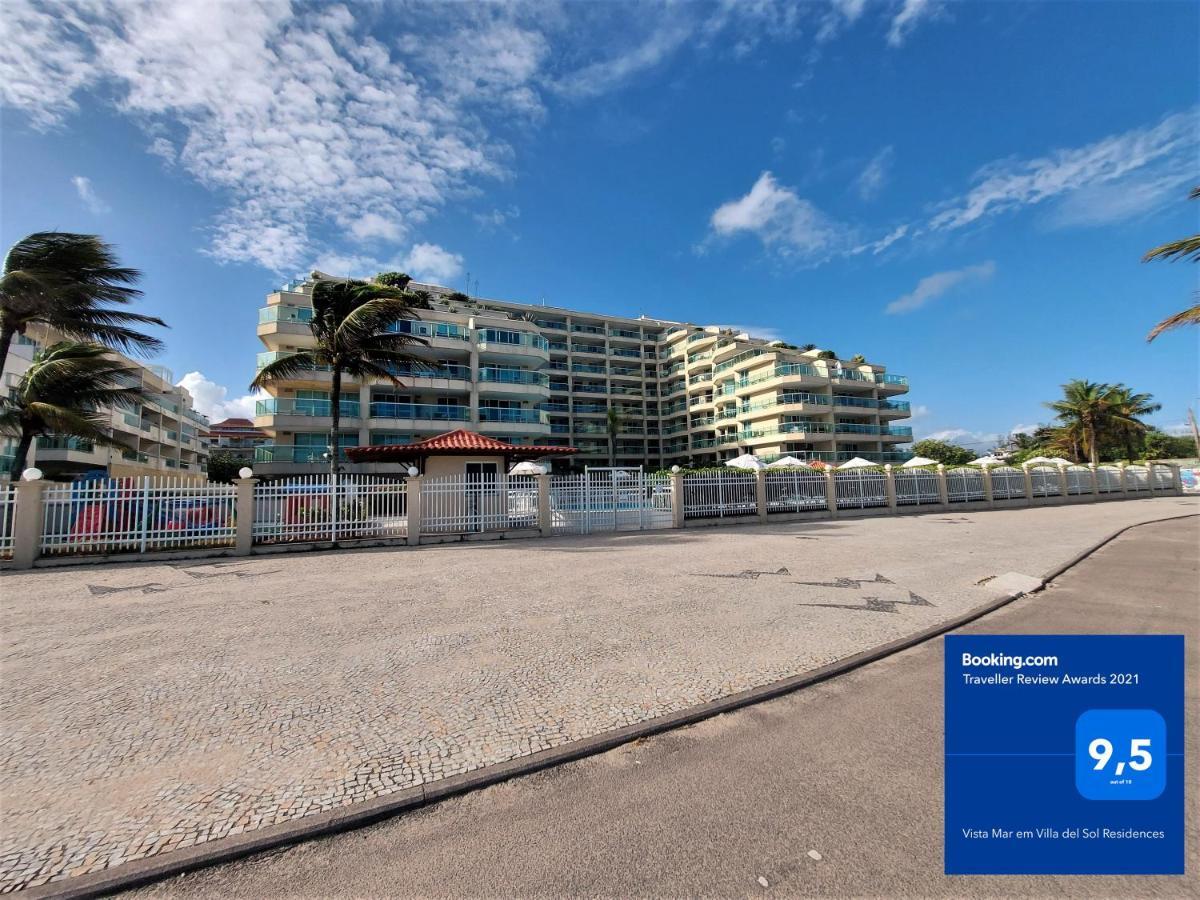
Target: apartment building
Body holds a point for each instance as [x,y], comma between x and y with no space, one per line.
[237,438]
[684,394]
[162,436]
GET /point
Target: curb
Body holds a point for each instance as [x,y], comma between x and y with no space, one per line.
[357,815]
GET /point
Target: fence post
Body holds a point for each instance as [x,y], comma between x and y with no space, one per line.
[333,507]
[545,515]
[1150,477]
[27,523]
[831,494]
[1124,481]
[943,488]
[1176,480]
[889,486]
[1095,481]
[244,516]
[676,500]
[1063,485]
[145,512]
[1028,484]
[412,491]
[760,494]
[989,496]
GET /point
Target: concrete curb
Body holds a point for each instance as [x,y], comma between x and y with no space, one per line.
[357,815]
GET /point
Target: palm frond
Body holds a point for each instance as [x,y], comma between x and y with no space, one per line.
[1185,248]
[1190,316]
[284,369]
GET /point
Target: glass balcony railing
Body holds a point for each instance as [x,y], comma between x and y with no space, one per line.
[588,368]
[592,408]
[624,333]
[550,323]
[891,379]
[740,358]
[588,329]
[897,431]
[508,414]
[502,337]
[448,371]
[438,412]
[785,400]
[270,356]
[514,376]
[426,330]
[589,348]
[556,407]
[699,336]
[852,375]
[285,314]
[860,402]
[58,442]
[286,453]
[286,406]
[896,405]
[855,428]
[560,429]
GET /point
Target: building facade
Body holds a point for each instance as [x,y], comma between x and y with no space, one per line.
[162,436]
[683,394]
[238,438]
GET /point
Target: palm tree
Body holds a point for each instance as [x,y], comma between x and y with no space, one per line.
[68,389]
[1130,408]
[1186,248]
[350,322]
[1091,411]
[71,282]
[613,425]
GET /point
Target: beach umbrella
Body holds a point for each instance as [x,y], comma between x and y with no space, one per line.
[528,468]
[746,461]
[919,461]
[1041,461]
[1059,461]
[988,460]
[788,462]
[857,463]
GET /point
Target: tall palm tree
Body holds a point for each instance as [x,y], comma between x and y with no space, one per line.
[71,282]
[613,425]
[350,323]
[1130,408]
[1091,411]
[69,389]
[1186,248]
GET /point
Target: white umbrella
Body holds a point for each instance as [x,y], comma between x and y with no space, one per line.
[528,468]
[1041,461]
[987,461]
[788,462]
[857,463]
[919,461]
[1059,461]
[746,461]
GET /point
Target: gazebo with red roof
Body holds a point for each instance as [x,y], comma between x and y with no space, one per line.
[449,453]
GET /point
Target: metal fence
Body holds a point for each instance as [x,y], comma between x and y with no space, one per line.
[1045,481]
[8,513]
[916,486]
[860,488]
[1137,478]
[1108,479]
[964,485]
[604,499]
[1007,483]
[708,495]
[318,508]
[1079,480]
[134,515]
[470,504]
[795,490]
[1164,478]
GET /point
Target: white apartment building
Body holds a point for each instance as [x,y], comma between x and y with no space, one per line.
[163,436]
[684,394]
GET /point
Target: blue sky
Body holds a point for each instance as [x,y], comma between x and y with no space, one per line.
[960,191]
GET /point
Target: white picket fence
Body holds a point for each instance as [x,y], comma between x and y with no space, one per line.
[609,500]
[719,495]
[1008,483]
[916,486]
[795,490]
[134,515]
[964,485]
[860,488]
[466,504]
[318,508]
[8,512]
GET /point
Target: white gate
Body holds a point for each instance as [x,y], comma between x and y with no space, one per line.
[610,499]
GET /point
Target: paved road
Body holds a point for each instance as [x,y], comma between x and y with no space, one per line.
[851,769]
[151,708]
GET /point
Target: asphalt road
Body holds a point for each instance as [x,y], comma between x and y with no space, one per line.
[850,769]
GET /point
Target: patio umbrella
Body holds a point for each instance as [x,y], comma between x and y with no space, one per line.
[788,462]
[919,461]
[1041,461]
[857,463]
[988,460]
[1059,461]
[746,461]
[528,468]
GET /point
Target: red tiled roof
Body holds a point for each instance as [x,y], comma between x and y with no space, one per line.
[452,442]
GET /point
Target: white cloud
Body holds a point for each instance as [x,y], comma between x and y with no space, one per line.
[213,400]
[873,177]
[1105,204]
[964,437]
[1021,428]
[87,193]
[785,222]
[933,286]
[431,263]
[759,331]
[920,411]
[910,15]
[1166,147]
[497,218]
[373,225]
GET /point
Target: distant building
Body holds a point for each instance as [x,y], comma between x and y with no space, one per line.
[161,436]
[236,437]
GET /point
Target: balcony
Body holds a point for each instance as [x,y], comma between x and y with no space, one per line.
[795,401]
[589,348]
[625,333]
[512,344]
[287,453]
[855,428]
[589,369]
[285,406]
[893,408]
[269,314]
[514,380]
[741,358]
[897,383]
[420,412]
[436,331]
[509,414]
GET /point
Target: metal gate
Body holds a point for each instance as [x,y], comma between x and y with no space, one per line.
[610,499]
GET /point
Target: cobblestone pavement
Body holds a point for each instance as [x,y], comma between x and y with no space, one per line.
[153,707]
